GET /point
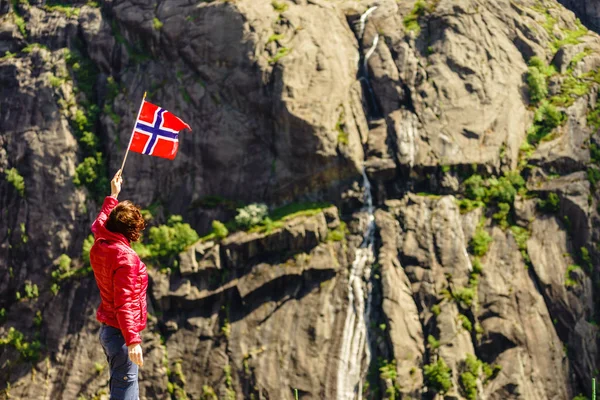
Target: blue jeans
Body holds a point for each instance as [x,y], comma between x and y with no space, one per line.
[123,372]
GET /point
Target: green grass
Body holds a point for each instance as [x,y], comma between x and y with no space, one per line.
[549,21]
[33,46]
[69,11]
[8,55]
[593,117]
[17,18]
[338,234]
[411,21]
[578,57]
[281,52]
[571,37]
[279,6]
[294,210]
[342,136]
[521,236]
[275,38]
[571,89]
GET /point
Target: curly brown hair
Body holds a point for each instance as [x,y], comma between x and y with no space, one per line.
[126,219]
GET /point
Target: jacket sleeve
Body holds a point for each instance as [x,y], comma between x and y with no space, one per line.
[125,280]
[108,205]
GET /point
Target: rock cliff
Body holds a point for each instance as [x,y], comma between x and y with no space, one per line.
[453,145]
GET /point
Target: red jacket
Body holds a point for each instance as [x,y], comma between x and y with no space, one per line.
[121,277]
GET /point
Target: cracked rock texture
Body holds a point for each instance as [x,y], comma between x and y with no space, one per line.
[289,101]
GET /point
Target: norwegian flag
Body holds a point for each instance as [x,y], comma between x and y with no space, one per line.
[156,132]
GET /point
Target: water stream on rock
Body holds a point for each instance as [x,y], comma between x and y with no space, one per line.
[363,69]
[355,351]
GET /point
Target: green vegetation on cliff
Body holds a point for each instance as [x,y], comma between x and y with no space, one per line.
[165,242]
[438,376]
[16,180]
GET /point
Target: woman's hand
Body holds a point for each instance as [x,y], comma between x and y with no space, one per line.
[135,354]
[115,184]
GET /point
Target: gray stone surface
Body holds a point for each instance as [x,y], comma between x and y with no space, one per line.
[281,112]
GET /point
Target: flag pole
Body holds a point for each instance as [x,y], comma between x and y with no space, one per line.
[132,131]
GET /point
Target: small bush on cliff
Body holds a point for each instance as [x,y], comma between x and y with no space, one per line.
[14,178]
[521,236]
[468,379]
[219,229]
[593,175]
[475,188]
[551,204]
[593,118]
[208,393]
[29,351]
[464,296]
[63,263]
[580,397]
[546,119]
[387,373]
[438,376]
[338,234]
[569,281]
[167,241]
[91,173]
[279,6]
[411,21]
[157,24]
[86,248]
[480,242]
[501,217]
[31,290]
[251,215]
[538,89]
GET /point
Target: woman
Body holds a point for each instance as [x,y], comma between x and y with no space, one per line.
[122,279]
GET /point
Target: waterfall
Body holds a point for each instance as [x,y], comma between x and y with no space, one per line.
[363,67]
[363,20]
[355,349]
[355,353]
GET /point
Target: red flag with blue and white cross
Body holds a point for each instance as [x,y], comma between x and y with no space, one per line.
[156,132]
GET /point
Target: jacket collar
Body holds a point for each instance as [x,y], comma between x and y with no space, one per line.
[105,234]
